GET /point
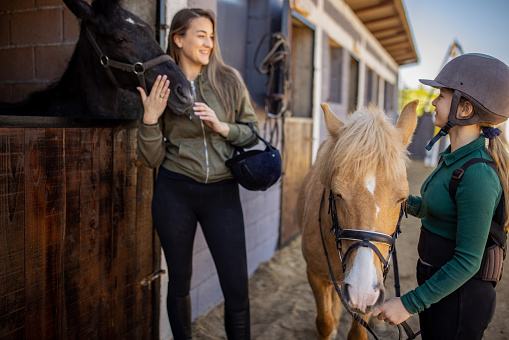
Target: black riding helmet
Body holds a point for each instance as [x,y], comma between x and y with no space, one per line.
[482,80]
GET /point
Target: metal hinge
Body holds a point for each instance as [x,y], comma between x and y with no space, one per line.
[147,280]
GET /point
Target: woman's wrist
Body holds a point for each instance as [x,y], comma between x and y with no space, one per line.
[224,129]
[149,120]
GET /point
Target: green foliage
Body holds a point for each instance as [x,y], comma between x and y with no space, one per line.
[424,94]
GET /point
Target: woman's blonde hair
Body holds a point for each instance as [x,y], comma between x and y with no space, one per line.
[223,78]
[498,149]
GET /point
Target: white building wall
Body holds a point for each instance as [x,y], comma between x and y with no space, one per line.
[380,62]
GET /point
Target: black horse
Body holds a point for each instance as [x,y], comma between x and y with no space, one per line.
[116,50]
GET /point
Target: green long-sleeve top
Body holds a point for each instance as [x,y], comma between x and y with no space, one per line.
[467,221]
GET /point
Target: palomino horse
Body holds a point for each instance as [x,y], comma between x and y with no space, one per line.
[116,50]
[361,170]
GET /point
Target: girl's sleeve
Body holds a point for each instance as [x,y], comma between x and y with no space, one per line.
[414,206]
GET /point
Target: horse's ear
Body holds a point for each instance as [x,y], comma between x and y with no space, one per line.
[407,121]
[81,9]
[332,121]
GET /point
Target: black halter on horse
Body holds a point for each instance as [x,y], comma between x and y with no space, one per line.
[364,238]
[137,68]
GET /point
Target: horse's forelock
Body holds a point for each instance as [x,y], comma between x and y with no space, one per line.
[367,144]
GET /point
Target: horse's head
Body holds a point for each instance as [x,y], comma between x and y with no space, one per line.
[363,162]
[122,39]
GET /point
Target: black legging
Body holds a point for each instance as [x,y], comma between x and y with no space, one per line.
[178,204]
[463,314]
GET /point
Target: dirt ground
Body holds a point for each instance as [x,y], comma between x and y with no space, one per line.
[282,304]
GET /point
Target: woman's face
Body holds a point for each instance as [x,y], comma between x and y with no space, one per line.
[442,105]
[197,43]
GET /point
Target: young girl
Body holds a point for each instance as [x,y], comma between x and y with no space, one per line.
[193,183]
[452,301]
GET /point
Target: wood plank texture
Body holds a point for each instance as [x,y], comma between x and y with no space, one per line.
[76,235]
[43,232]
[12,234]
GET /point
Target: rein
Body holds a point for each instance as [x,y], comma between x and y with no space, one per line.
[365,239]
[137,68]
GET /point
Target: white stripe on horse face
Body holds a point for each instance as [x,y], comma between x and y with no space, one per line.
[362,280]
[371,186]
[132,22]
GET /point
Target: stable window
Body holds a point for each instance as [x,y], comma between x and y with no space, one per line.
[336,74]
[371,94]
[303,42]
[389,97]
[353,89]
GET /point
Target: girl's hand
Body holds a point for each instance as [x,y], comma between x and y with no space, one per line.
[392,311]
[155,103]
[208,116]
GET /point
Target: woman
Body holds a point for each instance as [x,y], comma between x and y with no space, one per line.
[193,183]
[451,302]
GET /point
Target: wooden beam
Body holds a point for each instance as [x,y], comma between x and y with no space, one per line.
[378,11]
[393,40]
[381,24]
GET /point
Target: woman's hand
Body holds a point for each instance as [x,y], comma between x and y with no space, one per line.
[392,311]
[208,116]
[155,103]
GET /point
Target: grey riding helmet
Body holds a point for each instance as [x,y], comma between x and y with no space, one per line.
[482,80]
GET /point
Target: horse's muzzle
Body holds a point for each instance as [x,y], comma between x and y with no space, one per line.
[363,303]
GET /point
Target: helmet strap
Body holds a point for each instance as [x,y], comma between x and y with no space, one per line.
[443,132]
[452,117]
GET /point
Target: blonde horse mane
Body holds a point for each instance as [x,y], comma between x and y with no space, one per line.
[367,144]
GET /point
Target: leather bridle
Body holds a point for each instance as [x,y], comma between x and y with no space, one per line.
[137,68]
[364,238]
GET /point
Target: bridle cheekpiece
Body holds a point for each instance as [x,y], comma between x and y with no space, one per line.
[137,68]
[364,238]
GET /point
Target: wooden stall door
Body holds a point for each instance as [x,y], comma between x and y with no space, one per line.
[76,235]
[296,164]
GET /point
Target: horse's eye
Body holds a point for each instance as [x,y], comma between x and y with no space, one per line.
[339,196]
[119,41]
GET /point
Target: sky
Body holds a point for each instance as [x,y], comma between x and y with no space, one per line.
[480,26]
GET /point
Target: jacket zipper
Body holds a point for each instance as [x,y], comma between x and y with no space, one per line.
[204,139]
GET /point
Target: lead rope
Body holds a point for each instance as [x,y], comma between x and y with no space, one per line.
[336,287]
[411,335]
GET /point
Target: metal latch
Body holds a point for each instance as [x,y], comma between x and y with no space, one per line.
[147,280]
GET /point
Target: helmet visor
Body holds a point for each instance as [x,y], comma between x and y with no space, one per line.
[431,83]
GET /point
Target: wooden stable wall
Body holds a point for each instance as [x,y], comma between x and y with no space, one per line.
[76,235]
[296,164]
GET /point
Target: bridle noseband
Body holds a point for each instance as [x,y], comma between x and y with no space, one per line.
[137,68]
[364,238]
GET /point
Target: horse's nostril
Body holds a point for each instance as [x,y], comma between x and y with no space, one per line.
[183,96]
[381,297]
[180,92]
[345,290]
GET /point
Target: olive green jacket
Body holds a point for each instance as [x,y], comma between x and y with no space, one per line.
[183,145]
